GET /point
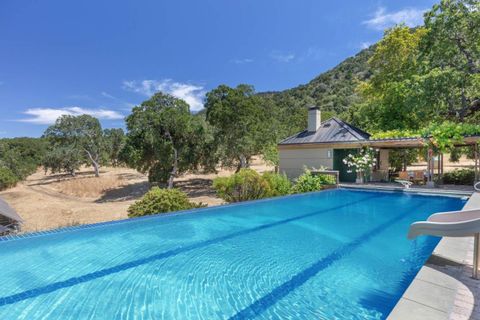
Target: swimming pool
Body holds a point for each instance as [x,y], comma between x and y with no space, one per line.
[337,254]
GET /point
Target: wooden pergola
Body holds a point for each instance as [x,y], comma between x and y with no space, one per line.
[411,143]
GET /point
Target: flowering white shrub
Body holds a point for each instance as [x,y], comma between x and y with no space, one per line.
[361,162]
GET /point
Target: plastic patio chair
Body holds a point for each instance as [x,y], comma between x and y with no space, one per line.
[403,175]
[418,176]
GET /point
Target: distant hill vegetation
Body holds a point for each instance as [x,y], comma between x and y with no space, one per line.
[333,90]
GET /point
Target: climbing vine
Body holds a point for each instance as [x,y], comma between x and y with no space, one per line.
[442,137]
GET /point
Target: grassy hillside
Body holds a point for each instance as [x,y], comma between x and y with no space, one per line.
[334,90]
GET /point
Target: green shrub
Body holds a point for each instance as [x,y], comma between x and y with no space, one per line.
[459,176]
[22,156]
[7,178]
[247,184]
[309,182]
[278,183]
[327,179]
[161,200]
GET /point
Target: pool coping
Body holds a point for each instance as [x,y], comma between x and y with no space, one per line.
[443,288]
[433,191]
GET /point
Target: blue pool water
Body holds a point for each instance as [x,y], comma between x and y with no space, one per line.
[336,254]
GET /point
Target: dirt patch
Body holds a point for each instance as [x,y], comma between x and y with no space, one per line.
[52,201]
[88,187]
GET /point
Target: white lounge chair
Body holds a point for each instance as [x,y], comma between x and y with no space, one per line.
[452,224]
[476,186]
[407,184]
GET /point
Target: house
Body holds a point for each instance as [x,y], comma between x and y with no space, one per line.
[324,144]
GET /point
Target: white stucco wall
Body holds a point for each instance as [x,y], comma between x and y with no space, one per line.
[292,161]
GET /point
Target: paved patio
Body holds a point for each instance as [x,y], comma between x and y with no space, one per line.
[450,188]
[444,289]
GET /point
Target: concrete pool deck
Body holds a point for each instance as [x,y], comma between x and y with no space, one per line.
[444,288]
[384,186]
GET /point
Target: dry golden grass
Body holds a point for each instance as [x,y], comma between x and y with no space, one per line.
[89,187]
[51,201]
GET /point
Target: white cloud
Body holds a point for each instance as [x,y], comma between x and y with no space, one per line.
[107,95]
[49,115]
[191,94]
[282,57]
[365,45]
[242,61]
[382,19]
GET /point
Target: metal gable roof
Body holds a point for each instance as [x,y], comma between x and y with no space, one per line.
[7,211]
[331,130]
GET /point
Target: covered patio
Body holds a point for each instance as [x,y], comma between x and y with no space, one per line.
[435,161]
[327,145]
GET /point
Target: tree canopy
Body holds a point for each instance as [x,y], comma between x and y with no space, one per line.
[19,157]
[74,140]
[114,141]
[165,139]
[427,74]
[242,124]
[450,51]
[389,96]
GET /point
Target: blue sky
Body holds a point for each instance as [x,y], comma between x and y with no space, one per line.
[103,57]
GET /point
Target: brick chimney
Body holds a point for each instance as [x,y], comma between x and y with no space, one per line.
[314,118]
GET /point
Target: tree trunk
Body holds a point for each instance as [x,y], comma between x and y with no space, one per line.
[96,169]
[95,163]
[173,174]
[174,171]
[242,163]
[170,182]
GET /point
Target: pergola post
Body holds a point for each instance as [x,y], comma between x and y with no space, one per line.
[477,162]
[440,166]
[430,168]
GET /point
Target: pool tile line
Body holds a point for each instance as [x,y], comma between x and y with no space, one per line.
[179,213]
[27,294]
[175,213]
[150,217]
[262,304]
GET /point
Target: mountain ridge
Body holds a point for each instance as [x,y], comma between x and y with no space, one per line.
[333,90]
